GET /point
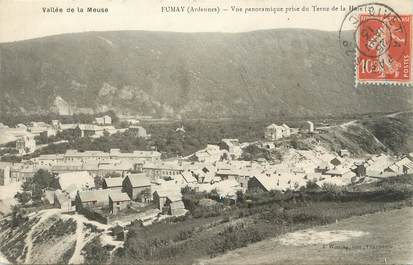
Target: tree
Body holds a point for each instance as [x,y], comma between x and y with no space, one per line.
[41,180]
[312,185]
[240,196]
[331,188]
[214,195]
[44,179]
[144,195]
[98,182]
[95,253]
[225,156]
[23,197]
[18,217]
[27,185]
[11,158]
[36,193]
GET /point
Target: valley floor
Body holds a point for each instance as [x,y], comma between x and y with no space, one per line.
[379,238]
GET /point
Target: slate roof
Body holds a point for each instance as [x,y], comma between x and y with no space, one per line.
[269,183]
[188,177]
[113,182]
[139,180]
[81,179]
[377,164]
[94,195]
[177,205]
[170,192]
[67,126]
[75,153]
[338,171]
[61,197]
[119,196]
[409,165]
[314,175]
[336,160]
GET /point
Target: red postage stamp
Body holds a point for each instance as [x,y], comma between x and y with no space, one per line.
[384,49]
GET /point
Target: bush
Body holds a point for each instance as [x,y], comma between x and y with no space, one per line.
[18,218]
[23,197]
[184,234]
[58,229]
[312,185]
[234,236]
[95,253]
[309,218]
[41,180]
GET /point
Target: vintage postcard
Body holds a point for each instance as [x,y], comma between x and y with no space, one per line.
[206,132]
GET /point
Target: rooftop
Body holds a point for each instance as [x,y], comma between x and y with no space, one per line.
[81,179]
[113,182]
[269,183]
[76,153]
[119,196]
[139,180]
[94,195]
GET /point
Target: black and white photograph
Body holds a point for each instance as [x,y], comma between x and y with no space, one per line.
[206,132]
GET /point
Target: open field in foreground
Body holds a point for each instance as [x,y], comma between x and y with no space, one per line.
[380,238]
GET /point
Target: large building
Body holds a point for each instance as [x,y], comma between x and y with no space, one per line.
[81,130]
[233,147]
[72,182]
[138,131]
[210,154]
[169,202]
[41,128]
[162,170]
[104,120]
[275,132]
[48,161]
[86,156]
[21,172]
[25,144]
[92,199]
[113,183]
[135,156]
[138,187]
[114,154]
[11,134]
[118,201]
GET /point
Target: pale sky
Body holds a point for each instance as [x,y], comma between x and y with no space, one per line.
[24,19]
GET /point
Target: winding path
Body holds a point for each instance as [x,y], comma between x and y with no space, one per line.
[45,214]
[80,243]
[81,237]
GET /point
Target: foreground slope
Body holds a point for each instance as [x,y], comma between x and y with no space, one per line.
[379,238]
[50,237]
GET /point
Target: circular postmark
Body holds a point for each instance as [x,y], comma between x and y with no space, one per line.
[373,37]
[372,29]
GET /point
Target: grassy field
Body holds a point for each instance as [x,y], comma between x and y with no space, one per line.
[378,238]
[259,217]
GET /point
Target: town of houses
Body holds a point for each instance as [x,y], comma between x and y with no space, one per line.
[141,185]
